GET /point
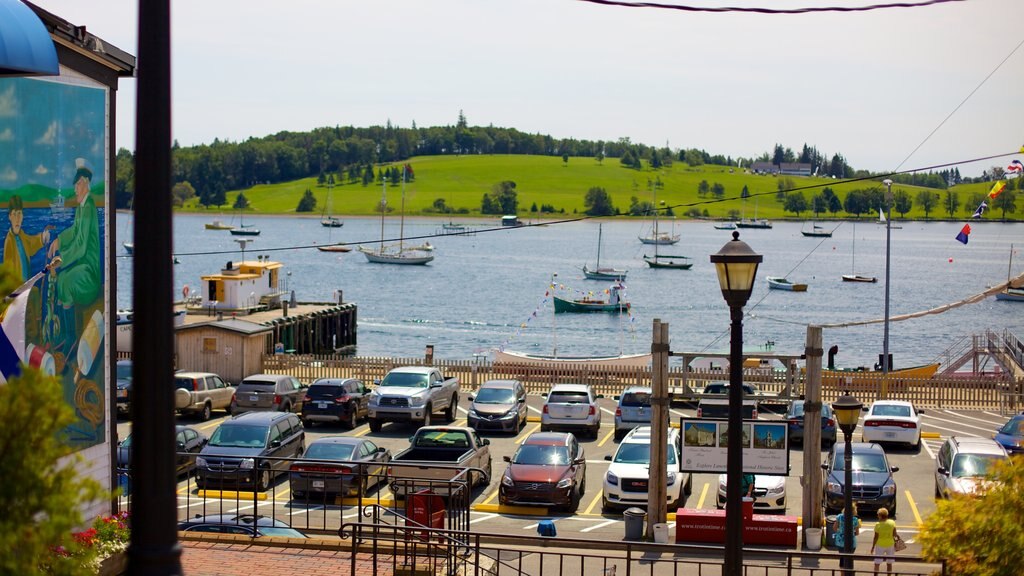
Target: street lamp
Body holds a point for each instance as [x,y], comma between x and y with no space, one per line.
[888,237]
[736,265]
[847,412]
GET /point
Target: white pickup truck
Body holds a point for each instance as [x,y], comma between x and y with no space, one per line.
[435,456]
[413,394]
[714,401]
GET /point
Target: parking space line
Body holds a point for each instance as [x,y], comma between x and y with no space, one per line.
[966,417]
[606,437]
[537,410]
[607,411]
[958,423]
[593,503]
[526,434]
[482,518]
[491,497]
[957,432]
[703,495]
[599,525]
[362,432]
[993,414]
[913,507]
[463,410]
[928,449]
[207,426]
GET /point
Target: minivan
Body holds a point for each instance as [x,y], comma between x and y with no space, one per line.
[276,392]
[238,450]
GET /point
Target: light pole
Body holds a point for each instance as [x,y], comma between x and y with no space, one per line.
[736,265]
[847,411]
[888,237]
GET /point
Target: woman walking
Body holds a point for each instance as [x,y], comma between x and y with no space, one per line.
[884,540]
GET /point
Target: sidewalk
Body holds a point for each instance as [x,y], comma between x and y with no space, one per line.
[246,559]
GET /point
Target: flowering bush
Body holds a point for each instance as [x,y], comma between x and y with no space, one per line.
[107,536]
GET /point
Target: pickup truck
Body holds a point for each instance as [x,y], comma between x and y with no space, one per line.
[714,401]
[201,393]
[434,457]
[413,394]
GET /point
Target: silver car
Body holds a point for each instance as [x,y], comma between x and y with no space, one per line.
[962,464]
[634,410]
[268,392]
[498,405]
[571,407]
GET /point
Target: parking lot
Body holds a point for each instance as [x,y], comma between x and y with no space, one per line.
[915,484]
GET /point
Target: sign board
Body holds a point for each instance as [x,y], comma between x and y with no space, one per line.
[704,446]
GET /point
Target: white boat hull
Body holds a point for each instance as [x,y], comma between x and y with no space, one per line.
[401,258]
[628,360]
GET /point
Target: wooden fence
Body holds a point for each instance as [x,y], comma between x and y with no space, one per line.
[1005,395]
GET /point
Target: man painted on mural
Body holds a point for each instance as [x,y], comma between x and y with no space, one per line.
[20,246]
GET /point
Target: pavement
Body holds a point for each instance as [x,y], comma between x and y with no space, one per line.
[241,556]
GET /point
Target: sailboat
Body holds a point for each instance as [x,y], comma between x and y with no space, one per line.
[599,273]
[1011,293]
[816,232]
[664,260]
[656,237]
[390,254]
[882,221]
[755,223]
[854,277]
[327,219]
[243,228]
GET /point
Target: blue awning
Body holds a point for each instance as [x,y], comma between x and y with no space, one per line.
[25,46]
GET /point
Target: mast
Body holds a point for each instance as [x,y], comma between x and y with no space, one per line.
[383,208]
[401,225]
[554,319]
[598,269]
[657,239]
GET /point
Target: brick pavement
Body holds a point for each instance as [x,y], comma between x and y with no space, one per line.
[213,558]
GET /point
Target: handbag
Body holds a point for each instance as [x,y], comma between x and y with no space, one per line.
[900,544]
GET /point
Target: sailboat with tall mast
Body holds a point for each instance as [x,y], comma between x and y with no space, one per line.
[1011,293]
[664,260]
[853,276]
[657,237]
[385,254]
[598,273]
[327,219]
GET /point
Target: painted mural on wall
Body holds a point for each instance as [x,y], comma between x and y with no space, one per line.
[53,138]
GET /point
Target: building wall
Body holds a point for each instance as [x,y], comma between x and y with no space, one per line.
[231,355]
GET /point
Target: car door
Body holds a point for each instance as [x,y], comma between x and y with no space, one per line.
[579,470]
[943,461]
[220,394]
[521,407]
[374,471]
[297,393]
[358,392]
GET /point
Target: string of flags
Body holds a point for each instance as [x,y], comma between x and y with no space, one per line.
[1015,167]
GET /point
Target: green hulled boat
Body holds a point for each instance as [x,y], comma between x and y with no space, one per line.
[589,305]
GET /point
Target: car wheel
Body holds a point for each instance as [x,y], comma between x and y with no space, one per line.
[938,492]
[583,487]
[206,413]
[544,428]
[605,508]
[619,435]
[352,417]
[375,425]
[688,487]
[892,511]
[263,482]
[307,423]
[453,406]
[286,407]
[574,502]
[595,431]
[200,483]
[518,427]
[428,415]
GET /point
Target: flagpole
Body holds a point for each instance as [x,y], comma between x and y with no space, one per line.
[888,237]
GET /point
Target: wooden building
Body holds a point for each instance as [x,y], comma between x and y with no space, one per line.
[243,286]
[232,348]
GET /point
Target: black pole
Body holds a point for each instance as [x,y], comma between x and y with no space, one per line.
[154,549]
[847,560]
[734,459]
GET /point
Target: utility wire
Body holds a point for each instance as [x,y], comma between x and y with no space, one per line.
[756,10]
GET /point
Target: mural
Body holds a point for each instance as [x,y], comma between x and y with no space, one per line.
[53,137]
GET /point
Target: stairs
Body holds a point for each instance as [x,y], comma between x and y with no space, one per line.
[985,352]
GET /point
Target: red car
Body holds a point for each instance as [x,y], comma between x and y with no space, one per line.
[548,469]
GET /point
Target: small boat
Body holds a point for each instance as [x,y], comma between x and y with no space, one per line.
[599,273]
[57,206]
[882,220]
[780,283]
[331,222]
[397,257]
[817,232]
[853,276]
[129,247]
[668,261]
[218,224]
[726,226]
[627,360]
[587,304]
[757,224]
[451,227]
[247,231]
[385,254]
[861,376]
[859,278]
[1011,293]
[334,248]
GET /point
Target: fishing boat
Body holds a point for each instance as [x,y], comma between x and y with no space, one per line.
[1011,293]
[725,226]
[243,228]
[853,276]
[549,361]
[599,273]
[668,261]
[396,253]
[614,303]
[218,224]
[57,206]
[817,232]
[781,283]
[881,220]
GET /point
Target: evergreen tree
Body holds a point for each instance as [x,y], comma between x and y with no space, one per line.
[307,203]
[241,202]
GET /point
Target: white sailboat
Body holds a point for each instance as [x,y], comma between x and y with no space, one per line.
[665,260]
[395,254]
[599,273]
[327,219]
[657,237]
[882,221]
[853,276]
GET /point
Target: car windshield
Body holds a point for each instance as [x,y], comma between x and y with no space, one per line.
[798,410]
[286,532]
[862,463]
[541,455]
[407,380]
[124,371]
[1013,427]
[891,410]
[239,436]
[329,451]
[568,398]
[257,383]
[636,399]
[495,396]
[967,465]
[640,454]
[127,442]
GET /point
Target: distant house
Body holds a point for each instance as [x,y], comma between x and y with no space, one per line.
[764,168]
[795,169]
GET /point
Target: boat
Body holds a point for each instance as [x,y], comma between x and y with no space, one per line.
[243,228]
[817,232]
[334,248]
[726,226]
[394,254]
[664,260]
[1011,293]
[657,237]
[882,220]
[327,220]
[861,378]
[599,273]
[129,247]
[614,303]
[548,361]
[57,206]
[218,224]
[754,223]
[781,283]
[853,276]
[452,227]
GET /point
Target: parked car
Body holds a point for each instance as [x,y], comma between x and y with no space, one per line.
[1011,435]
[201,393]
[962,464]
[231,455]
[413,394]
[634,409]
[795,418]
[628,478]
[714,401]
[892,421]
[571,406]
[436,456]
[124,386]
[873,484]
[338,466]
[342,400]
[244,524]
[274,392]
[186,438]
[498,405]
[769,492]
[548,469]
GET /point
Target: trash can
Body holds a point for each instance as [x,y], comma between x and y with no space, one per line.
[813,536]
[634,518]
[830,531]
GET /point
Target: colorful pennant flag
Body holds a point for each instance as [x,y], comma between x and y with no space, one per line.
[964,233]
[980,210]
[1015,166]
[997,189]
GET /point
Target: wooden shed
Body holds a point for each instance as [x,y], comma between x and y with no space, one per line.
[232,348]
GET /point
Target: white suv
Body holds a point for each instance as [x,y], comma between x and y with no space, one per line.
[571,406]
[625,483]
[963,463]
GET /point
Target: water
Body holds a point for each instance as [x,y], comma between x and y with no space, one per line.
[488,290]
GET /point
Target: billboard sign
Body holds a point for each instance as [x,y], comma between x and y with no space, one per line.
[704,446]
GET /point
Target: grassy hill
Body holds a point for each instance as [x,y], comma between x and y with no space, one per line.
[461,181]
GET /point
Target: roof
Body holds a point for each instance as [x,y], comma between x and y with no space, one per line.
[230,324]
[976,445]
[547,438]
[570,388]
[331,381]
[499,384]
[257,418]
[344,440]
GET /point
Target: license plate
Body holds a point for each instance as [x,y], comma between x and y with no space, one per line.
[122,393]
[890,434]
[253,398]
[321,405]
[318,483]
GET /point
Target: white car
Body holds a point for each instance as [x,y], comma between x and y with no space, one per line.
[769,492]
[571,407]
[892,421]
[627,479]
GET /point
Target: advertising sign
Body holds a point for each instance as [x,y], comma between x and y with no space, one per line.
[705,442]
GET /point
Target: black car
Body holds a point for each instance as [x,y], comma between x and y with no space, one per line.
[244,524]
[873,484]
[124,386]
[188,440]
[238,450]
[795,419]
[342,400]
[338,466]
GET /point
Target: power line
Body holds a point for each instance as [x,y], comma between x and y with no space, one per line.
[757,10]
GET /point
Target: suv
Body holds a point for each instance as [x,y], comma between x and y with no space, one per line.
[275,392]
[498,405]
[335,400]
[201,393]
[238,450]
[549,468]
[633,410]
[873,484]
[962,464]
[626,482]
[124,386]
[571,406]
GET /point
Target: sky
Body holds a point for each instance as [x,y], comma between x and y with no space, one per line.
[875,86]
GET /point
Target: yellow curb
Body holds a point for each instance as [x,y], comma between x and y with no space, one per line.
[533,418]
[363,502]
[931,435]
[230,494]
[515,510]
[674,424]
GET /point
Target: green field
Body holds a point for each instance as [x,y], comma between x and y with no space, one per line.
[461,181]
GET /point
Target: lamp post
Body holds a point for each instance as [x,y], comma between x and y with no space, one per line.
[847,411]
[736,265]
[888,237]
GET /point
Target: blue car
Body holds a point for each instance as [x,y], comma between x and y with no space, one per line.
[795,418]
[1011,435]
